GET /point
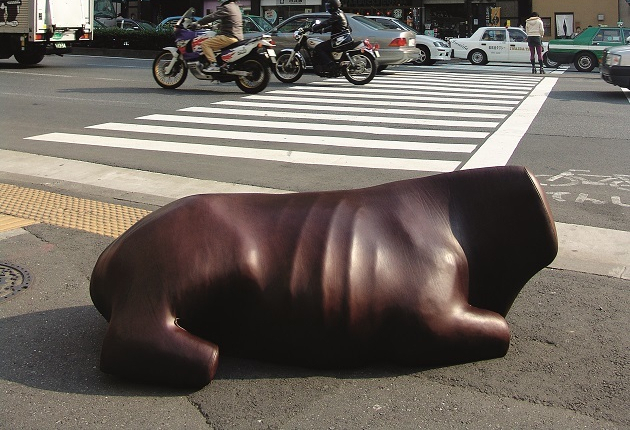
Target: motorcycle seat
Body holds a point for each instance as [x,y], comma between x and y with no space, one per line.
[234,45]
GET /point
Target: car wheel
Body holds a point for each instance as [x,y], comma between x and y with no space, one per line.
[549,63]
[424,57]
[585,62]
[478,57]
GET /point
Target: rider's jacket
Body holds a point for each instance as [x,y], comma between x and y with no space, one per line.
[231,20]
[337,24]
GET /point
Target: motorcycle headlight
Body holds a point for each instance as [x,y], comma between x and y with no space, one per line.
[296,34]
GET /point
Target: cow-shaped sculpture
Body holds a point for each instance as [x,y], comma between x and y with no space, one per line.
[420,271]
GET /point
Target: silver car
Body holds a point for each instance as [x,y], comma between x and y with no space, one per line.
[431,48]
[395,47]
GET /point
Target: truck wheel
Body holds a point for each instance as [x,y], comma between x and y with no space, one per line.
[585,62]
[28,58]
[478,57]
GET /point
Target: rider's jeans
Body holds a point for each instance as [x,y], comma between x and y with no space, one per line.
[215,43]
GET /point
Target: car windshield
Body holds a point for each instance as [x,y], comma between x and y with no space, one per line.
[261,22]
[369,23]
[395,24]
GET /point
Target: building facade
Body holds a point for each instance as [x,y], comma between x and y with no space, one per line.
[563,19]
[442,18]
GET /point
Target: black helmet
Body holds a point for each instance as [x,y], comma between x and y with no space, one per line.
[333,5]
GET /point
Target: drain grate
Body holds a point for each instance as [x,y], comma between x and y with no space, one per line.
[13,279]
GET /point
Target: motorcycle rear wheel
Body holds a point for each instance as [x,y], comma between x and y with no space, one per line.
[257,77]
[363,72]
[288,72]
[175,78]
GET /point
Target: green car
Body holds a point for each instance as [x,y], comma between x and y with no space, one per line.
[586,49]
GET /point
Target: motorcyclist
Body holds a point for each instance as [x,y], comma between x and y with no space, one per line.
[230,31]
[339,35]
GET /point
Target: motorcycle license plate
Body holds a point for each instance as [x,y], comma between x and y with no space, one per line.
[377,54]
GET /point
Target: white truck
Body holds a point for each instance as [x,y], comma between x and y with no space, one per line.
[30,29]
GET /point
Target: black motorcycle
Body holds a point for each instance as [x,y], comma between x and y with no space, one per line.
[355,60]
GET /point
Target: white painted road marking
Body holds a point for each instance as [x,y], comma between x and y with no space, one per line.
[298,157]
[499,147]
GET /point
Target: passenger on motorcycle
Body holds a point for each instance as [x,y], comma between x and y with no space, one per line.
[230,31]
[339,35]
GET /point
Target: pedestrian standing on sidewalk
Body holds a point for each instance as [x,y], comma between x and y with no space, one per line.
[535,31]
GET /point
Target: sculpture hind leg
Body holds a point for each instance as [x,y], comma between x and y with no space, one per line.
[157,352]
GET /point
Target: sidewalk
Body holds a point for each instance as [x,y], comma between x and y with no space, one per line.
[582,248]
[566,368]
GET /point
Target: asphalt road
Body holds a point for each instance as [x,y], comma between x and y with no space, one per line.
[567,366]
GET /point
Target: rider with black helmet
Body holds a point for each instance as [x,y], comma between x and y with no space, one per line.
[339,34]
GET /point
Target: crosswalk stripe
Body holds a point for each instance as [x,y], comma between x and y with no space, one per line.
[449,81]
[392,91]
[302,98]
[363,129]
[489,76]
[284,156]
[288,138]
[392,112]
[375,98]
[406,86]
[338,117]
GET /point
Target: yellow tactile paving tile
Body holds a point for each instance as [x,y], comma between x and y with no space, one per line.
[8,222]
[65,211]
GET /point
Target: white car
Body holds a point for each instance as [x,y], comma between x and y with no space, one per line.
[431,48]
[493,44]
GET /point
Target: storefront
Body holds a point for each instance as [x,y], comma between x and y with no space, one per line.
[440,18]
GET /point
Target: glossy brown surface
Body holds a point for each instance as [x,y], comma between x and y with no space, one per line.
[420,272]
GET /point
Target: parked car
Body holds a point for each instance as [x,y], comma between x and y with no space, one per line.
[251,24]
[395,47]
[169,23]
[431,48]
[586,49]
[134,24]
[615,67]
[494,44]
[124,23]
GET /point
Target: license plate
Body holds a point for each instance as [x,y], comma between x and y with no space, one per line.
[377,54]
[60,45]
[271,52]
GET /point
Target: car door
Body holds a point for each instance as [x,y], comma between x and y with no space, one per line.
[494,43]
[283,33]
[519,51]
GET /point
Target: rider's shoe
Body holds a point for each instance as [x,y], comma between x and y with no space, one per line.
[211,68]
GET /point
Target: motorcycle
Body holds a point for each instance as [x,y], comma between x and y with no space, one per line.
[246,62]
[356,60]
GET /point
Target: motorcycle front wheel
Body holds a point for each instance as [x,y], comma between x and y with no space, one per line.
[288,71]
[171,80]
[257,76]
[363,70]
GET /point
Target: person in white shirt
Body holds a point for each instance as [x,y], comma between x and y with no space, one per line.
[535,31]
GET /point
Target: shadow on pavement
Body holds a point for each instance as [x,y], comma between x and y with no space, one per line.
[58,350]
